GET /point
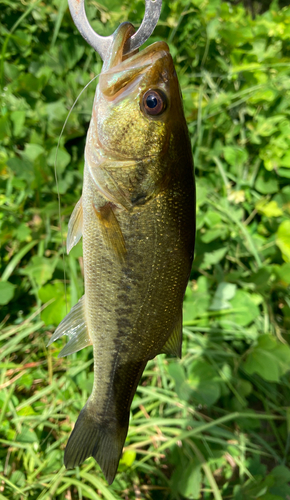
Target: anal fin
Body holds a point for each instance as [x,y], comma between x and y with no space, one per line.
[75,226]
[74,325]
[174,343]
[111,230]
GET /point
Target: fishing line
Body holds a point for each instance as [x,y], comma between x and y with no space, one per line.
[59,204]
[57,187]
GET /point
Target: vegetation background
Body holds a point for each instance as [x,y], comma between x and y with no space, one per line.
[215,425]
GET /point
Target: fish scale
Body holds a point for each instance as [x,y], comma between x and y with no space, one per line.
[137,220]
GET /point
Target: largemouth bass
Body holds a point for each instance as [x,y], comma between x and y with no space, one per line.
[137,219]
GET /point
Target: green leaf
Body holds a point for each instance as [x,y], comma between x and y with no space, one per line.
[213,234]
[283,239]
[28,410]
[55,312]
[285,160]
[32,151]
[18,478]
[266,183]
[22,232]
[211,258]
[269,358]
[283,273]
[22,168]
[196,300]
[262,281]
[284,172]
[267,126]
[212,28]
[281,474]
[269,209]
[176,371]
[62,159]
[18,119]
[26,380]
[128,458]
[201,192]
[4,127]
[40,269]
[27,435]
[6,292]
[189,484]
[224,293]
[56,111]
[203,382]
[28,83]
[244,310]
[235,155]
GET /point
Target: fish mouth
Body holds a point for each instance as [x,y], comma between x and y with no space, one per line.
[120,71]
[150,65]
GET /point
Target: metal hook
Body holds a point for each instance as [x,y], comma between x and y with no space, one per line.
[102,43]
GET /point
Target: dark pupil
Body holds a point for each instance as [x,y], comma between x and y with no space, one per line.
[151,101]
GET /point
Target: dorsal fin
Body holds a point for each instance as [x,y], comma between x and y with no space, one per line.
[174,343]
[74,325]
[75,226]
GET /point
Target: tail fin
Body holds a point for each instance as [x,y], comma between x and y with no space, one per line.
[103,440]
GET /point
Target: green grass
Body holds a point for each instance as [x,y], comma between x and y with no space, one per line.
[174,444]
[215,425]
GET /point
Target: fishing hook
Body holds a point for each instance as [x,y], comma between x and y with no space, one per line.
[102,43]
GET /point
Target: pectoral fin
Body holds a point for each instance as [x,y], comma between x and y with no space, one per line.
[111,230]
[174,343]
[74,325]
[75,226]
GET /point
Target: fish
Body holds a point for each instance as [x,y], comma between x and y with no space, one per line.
[136,216]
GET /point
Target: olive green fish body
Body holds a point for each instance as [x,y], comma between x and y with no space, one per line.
[137,219]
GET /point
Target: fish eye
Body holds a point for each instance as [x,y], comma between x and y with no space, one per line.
[154,102]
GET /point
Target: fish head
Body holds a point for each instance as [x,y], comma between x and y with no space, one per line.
[138,103]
